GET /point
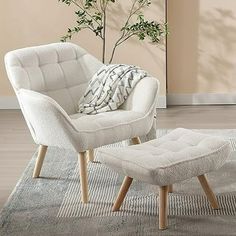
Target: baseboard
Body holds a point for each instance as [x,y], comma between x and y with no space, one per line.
[201,99]
[12,103]
[9,103]
[172,99]
[161,102]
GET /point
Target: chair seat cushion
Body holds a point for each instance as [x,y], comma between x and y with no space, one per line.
[177,156]
[110,127]
[104,120]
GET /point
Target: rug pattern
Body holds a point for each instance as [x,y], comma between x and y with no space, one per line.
[50,205]
[104,185]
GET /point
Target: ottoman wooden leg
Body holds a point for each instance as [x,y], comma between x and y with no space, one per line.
[163,207]
[209,193]
[122,193]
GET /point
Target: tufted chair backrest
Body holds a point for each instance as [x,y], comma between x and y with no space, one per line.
[59,70]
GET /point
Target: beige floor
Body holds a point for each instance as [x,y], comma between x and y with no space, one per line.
[17,147]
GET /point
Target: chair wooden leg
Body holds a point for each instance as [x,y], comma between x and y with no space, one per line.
[83,177]
[163,207]
[208,191]
[170,188]
[136,140]
[122,193]
[90,155]
[39,162]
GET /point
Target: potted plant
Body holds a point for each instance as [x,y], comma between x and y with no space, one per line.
[92,15]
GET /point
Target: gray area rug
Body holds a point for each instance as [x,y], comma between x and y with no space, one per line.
[51,204]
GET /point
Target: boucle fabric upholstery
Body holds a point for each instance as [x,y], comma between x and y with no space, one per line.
[59,70]
[179,155]
[50,79]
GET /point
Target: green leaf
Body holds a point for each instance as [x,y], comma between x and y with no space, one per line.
[90,15]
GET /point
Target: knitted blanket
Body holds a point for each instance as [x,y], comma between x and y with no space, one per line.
[109,88]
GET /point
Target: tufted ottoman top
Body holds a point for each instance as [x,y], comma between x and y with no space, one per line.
[177,156]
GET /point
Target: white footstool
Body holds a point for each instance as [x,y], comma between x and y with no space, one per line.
[179,155]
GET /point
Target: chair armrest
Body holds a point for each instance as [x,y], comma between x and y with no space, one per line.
[143,98]
[48,122]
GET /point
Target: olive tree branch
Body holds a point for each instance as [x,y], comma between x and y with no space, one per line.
[92,16]
[83,9]
[125,35]
[104,36]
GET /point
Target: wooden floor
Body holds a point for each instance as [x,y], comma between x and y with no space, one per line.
[198,117]
[17,147]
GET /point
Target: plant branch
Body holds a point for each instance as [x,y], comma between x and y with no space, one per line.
[83,9]
[75,30]
[123,38]
[104,37]
[92,15]
[117,44]
[127,21]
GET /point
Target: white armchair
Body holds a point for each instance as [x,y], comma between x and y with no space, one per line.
[49,81]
